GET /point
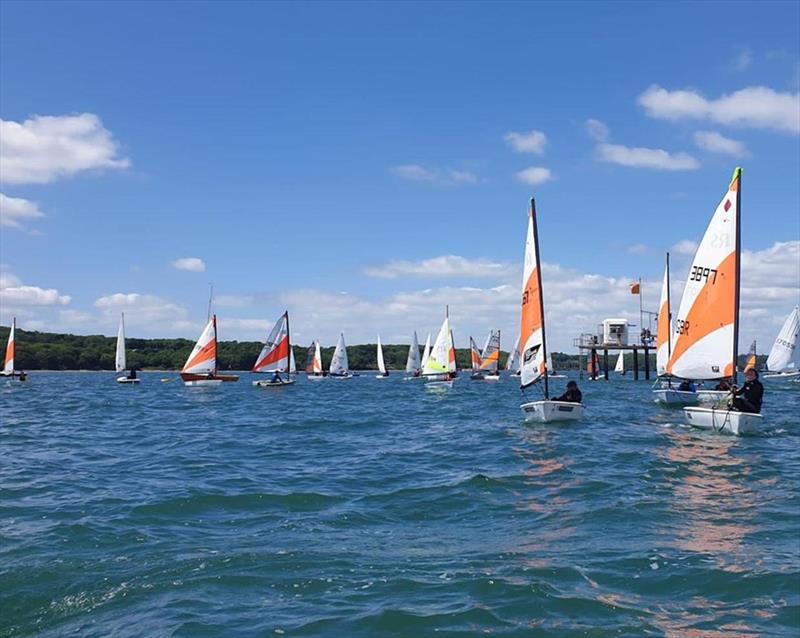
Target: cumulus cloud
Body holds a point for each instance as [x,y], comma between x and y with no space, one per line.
[597,130]
[143,309]
[18,298]
[640,157]
[637,249]
[716,143]
[446,266]
[685,247]
[15,211]
[192,264]
[437,176]
[44,148]
[535,175]
[531,142]
[751,107]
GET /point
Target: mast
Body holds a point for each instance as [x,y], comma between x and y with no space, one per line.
[669,325]
[541,295]
[738,258]
[289,342]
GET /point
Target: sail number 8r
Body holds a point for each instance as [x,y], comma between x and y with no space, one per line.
[700,274]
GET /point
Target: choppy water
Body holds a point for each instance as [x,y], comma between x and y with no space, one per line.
[381,508]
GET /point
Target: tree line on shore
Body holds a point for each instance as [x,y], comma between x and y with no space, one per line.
[52,351]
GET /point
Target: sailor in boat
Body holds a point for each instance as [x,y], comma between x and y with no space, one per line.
[572,395]
[132,374]
[748,398]
[22,375]
[276,377]
[724,385]
[687,386]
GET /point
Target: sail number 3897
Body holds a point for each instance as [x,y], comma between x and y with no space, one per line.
[699,273]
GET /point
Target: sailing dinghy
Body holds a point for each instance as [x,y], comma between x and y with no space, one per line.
[276,357]
[475,358]
[339,366]
[383,373]
[413,365]
[490,357]
[8,365]
[119,358]
[533,339]
[512,365]
[619,367]
[201,366]
[707,325]
[440,369]
[314,363]
[551,369]
[426,352]
[782,362]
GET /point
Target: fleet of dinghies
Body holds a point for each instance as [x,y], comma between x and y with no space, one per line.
[700,344]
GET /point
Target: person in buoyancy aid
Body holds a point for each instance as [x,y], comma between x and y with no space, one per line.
[748,398]
[572,395]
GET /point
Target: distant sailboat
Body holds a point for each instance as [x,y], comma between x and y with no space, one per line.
[707,323]
[201,366]
[532,336]
[314,362]
[752,359]
[426,351]
[475,359]
[490,357]
[783,362]
[119,357]
[383,373]
[339,367]
[512,365]
[551,369]
[8,365]
[413,366]
[620,365]
[276,356]
[440,369]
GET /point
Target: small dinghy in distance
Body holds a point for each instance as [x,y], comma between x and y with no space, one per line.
[782,362]
[119,358]
[201,366]
[551,366]
[475,358]
[275,357]
[512,364]
[707,325]
[11,346]
[413,365]
[383,373]
[490,358]
[440,368]
[339,366]
[314,362]
[532,337]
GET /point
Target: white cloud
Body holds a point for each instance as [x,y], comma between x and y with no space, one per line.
[143,310]
[446,266]
[44,148]
[17,297]
[14,211]
[637,249]
[716,143]
[652,158]
[685,247]
[192,264]
[535,175]
[597,130]
[752,107]
[531,142]
[440,177]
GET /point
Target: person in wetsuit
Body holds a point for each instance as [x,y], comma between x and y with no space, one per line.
[573,395]
[748,398]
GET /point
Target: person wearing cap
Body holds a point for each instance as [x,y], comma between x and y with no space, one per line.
[572,395]
[748,398]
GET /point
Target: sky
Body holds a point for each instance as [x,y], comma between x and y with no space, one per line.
[365,164]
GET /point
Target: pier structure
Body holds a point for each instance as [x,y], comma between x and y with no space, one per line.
[589,345]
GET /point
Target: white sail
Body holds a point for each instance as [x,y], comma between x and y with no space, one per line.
[413,365]
[532,317]
[119,358]
[203,358]
[8,366]
[438,361]
[620,367]
[381,364]
[275,355]
[783,355]
[490,356]
[292,364]
[551,369]
[513,358]
[664,327]
[339,364]
[705,324]
[314,359]
[475,355]
[426,352]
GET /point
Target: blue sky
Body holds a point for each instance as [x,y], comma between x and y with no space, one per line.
[298,150]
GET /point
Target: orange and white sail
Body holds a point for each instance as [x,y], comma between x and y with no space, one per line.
[705,327]
[8,366]
[490,356]
[314,359]
[203,359]
[475,355]
[275,355]
[752,358]
[664,327]
[451,354]
[531,331]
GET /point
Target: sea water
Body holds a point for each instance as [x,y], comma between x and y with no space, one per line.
[370,507]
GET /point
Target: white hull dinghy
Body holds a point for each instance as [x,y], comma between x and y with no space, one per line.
[724,420]
[671,396]
[533,340]
[782,376]
[383,373]
[127,380]
[276,357]
[707,324]
[202,383]
[269,383]
[119,357]
[339,365]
